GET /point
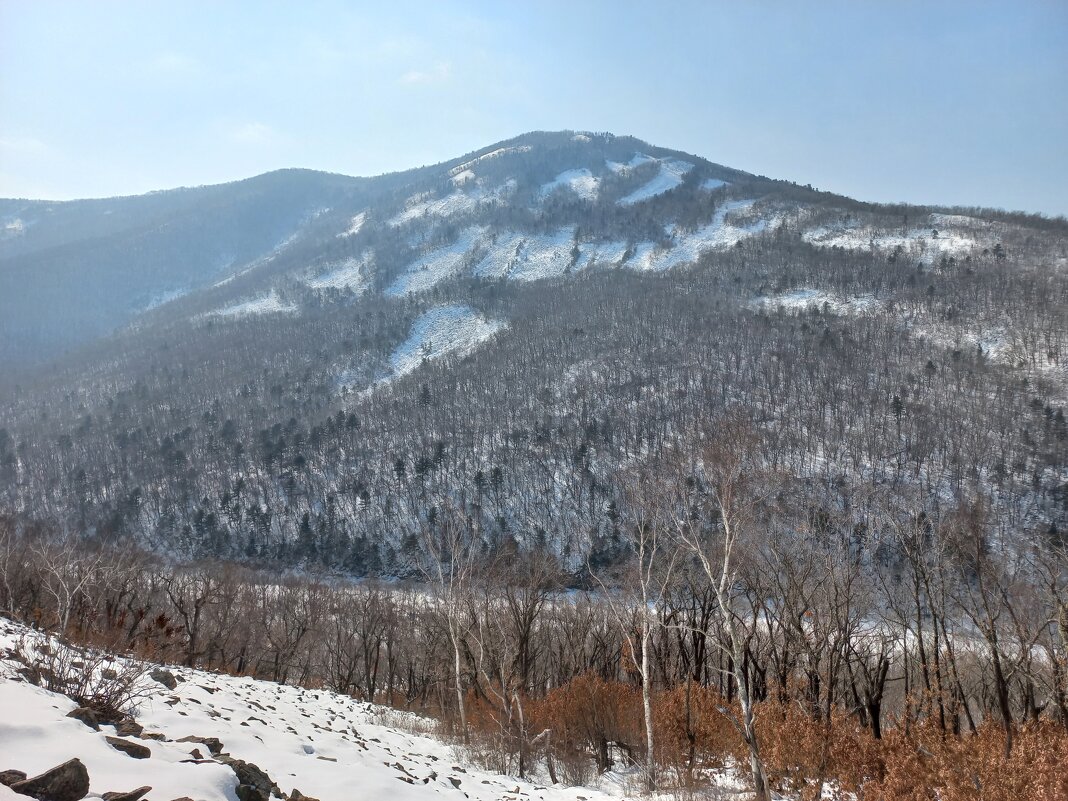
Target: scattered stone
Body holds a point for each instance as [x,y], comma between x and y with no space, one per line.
[9,777]
[153,735]
[129,728]
[66,782]
[164,677]
[455,782]
[251,775]
[132,795]
[297,795]
[135,750]
[86,716]
[249,792]
[195,753]
[213,744]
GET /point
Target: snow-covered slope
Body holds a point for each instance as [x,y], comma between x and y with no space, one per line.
[528,257]
[671,174]
[328,746]
[441,331]
[270,303]
[582,182]
[437,265]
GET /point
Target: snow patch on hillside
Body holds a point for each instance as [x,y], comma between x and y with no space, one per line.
[581,181]
[437,265]
[493,154]
[600,253]
[457,202]
[926,245]
[806,299]
[348,274]
[671,174]
[462,178]
[712,184]
[328,746]
[441,331]
[686,248]
[528,257]
[636,160]
[355,225]
[270,303]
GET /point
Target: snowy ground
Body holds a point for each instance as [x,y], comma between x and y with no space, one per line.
[805,299]
[352,273]
[441,331]
[671,174]
[687,248]
[600,253]
[928,244]
[460,201]
[328,746]
[265,304]
[355,225]
[528,257]
[437,265]
[582,182]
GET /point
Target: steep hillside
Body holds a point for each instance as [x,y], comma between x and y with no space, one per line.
[307,369]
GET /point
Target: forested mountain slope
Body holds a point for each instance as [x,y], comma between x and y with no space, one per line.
[307,369]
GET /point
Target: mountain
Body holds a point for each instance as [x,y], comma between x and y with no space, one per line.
[305,368]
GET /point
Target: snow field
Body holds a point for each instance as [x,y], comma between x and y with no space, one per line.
[265,304]
[528,257]
[328,746]
[719,234]
[355,225]
[437,265]
[348,274]
[804,299]
[581,181]
[442,331]
[672,172]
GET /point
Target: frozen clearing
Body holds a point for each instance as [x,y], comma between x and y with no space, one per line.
[328,746]
[672,172]
[355,224]
[805,299]
[582,182]
[348,274]
[437,265]
[687,248]
[441,331]
[457,202]
[603,253]
[712,184]
[919,243]
[493,154]
[636,160]
[267,304]
[528,257]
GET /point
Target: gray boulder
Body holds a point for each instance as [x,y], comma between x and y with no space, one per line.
[66,782]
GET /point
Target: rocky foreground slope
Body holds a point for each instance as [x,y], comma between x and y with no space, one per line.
[207,737]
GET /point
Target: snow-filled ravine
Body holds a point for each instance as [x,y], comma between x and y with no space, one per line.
[327,746]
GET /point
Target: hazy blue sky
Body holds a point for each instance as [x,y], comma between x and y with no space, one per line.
[920,101]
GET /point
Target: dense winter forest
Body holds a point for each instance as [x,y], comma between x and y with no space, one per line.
[596,451]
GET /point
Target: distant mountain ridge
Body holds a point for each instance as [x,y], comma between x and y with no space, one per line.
[306,369]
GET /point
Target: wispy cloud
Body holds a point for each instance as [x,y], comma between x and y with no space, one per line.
[439,73]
